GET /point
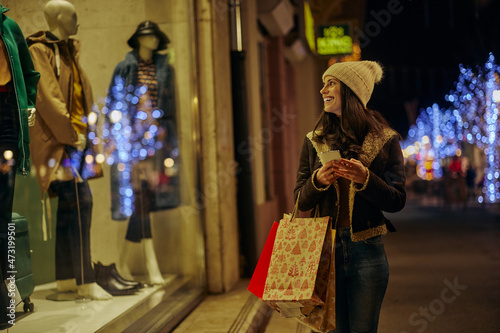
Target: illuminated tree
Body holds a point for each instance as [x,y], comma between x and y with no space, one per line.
[475,106]
[472,118]
[431,140]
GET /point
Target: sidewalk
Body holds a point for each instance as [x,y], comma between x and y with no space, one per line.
[233,312]
[237,311]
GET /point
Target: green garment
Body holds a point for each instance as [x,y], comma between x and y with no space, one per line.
[25,80]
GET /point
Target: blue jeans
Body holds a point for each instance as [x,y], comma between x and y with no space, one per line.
[362,275]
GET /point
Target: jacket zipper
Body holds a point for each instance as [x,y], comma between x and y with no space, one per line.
[17,103]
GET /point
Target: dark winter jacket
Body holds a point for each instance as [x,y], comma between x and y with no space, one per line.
[166,194]
[128,68]
[384,189]
[25,80]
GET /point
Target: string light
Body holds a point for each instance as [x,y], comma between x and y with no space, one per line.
[431,140]
[472,118]
[476,96]
[130,135]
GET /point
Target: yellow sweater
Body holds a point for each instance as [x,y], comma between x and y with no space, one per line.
[77,111]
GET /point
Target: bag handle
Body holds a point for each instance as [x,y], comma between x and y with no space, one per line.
[296,208]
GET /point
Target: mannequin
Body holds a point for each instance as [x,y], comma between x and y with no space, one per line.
[144,67]
[64,98]
[18,82]
[148,43]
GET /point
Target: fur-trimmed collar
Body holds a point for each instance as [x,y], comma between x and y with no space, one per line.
[370,148]
[372,145]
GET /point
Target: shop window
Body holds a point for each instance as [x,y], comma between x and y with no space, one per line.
[120,218]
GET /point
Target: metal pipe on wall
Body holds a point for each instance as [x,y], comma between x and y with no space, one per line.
[242,151]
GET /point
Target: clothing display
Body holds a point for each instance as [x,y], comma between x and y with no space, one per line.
[23,83]
[18,87]
[153,112]
[89,147]
[64,94]
[54,105]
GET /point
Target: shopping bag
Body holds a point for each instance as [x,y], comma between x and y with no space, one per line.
[299,270]
[258,280]
[322,318]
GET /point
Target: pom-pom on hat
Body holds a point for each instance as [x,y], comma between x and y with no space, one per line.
[360,76]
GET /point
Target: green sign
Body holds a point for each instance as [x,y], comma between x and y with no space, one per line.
[334,40]
[309,26]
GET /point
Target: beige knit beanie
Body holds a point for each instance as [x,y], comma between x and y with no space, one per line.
[360,76]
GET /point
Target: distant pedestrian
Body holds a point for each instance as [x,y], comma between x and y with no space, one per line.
[455,167]
[455,187]
[470,178]
[368,179]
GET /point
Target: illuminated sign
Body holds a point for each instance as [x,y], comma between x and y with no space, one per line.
[309,27]
[334,39]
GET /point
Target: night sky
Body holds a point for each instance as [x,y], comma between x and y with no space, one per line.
[421,45]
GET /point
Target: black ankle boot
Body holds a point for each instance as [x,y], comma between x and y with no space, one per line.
[108,282]
[114,272]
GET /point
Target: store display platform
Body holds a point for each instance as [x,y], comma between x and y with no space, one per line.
[88,316]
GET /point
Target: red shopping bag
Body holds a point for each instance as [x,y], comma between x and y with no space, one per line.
[258,280]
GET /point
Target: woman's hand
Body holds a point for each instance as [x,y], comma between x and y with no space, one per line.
[326,174]
[350,169]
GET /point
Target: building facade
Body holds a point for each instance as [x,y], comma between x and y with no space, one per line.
[246,93]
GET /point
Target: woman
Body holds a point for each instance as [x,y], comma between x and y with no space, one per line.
[368,179]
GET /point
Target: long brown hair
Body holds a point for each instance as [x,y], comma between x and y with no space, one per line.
[348,132]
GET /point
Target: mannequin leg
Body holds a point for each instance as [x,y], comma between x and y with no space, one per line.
[139,230]
[64,263]
[87,287]
[93,291]
[152,268]
[155,276]
[88,290]
[123,263]
[66,285]
[73,240]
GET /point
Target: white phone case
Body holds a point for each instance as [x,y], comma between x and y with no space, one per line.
[328,156]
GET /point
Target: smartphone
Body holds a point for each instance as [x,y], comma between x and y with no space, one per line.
[327,156]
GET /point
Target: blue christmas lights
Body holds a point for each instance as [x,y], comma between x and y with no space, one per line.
[472,117]
[130,135]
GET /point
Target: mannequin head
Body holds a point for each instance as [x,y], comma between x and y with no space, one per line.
[148,44]
[61,17]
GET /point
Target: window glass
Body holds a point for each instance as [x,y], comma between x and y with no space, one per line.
[111,184]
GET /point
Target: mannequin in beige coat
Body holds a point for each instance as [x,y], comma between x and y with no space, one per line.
[56,56]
